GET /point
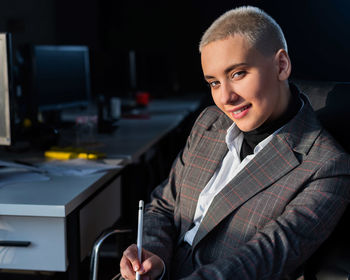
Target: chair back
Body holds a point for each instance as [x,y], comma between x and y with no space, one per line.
[331,102]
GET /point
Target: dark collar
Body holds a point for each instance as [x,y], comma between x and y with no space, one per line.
[254,137]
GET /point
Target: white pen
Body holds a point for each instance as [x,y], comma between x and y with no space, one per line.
[139,235]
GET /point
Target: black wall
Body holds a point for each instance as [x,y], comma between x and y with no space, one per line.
[165,35]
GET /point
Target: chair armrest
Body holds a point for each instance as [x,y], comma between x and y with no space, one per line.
[97,246]
[334,273]
[334,264]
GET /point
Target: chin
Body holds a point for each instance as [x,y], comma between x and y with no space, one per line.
[246,127]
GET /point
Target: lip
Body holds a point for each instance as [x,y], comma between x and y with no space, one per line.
[240,112]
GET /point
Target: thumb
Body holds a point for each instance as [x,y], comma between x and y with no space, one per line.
[153,266]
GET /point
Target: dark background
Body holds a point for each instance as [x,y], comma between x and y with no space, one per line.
[165,36]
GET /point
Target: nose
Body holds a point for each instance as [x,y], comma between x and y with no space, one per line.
[228,95]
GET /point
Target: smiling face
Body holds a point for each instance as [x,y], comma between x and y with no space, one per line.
[250,88]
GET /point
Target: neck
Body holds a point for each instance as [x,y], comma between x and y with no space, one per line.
[254,137]
[285,97]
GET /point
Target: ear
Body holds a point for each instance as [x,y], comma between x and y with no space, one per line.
[284,66]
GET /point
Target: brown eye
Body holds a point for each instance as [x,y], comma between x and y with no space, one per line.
[214,84]
[239,74]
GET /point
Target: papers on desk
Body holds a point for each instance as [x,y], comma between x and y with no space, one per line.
[20,166]
[12,172]
[18,173]
[75,167]
[13,175]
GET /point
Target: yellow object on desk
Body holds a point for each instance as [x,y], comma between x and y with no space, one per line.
[89,155]
[60,155]
[66,153]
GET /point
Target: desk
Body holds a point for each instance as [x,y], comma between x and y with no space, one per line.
[42,213]
[134,136]
[62,217]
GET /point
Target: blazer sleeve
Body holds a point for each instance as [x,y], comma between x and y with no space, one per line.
[160,228]
[286,242]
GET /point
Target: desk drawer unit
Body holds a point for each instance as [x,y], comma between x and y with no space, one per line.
[33,243]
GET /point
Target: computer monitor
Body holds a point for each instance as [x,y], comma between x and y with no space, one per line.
[60,77]
[5,88]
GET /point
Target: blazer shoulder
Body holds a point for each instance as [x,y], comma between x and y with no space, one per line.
[212,117]
[327,147]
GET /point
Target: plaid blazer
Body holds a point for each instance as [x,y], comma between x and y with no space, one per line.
[270,218]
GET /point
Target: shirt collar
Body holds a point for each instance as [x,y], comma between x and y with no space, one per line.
[234,137]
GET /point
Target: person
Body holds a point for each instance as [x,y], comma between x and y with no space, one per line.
[259,184]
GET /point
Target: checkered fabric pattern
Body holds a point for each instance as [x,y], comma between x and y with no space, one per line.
[269,219]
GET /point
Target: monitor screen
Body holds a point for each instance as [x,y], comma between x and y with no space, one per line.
[5,88]
[61,77]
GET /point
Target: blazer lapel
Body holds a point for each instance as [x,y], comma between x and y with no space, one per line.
[209,153]
[274,161]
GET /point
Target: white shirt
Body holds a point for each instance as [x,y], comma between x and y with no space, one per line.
[228,169]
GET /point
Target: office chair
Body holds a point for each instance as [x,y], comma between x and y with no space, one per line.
[96,250]
[331,101]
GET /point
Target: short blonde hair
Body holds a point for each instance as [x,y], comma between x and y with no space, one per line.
[260,29]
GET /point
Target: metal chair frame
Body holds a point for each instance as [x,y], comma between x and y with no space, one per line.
[96,249]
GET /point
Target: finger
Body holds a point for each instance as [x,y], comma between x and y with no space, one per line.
[126,269]
[131,254]
[153,266]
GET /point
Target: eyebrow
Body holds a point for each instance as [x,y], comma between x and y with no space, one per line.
[228,69]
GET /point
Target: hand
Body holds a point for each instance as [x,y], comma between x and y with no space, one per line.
[150,269]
